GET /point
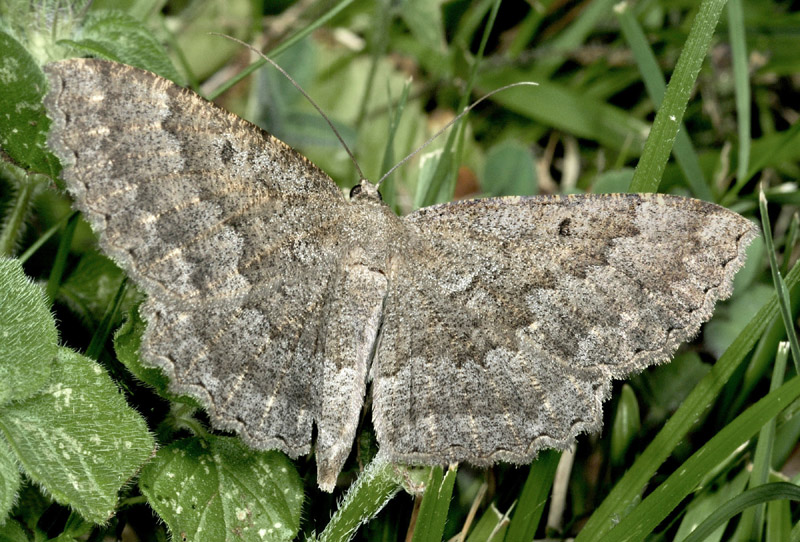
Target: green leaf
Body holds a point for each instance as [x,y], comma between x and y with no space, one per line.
[741,77]
[9,480]
[751,524]
[428,164]
[646,61]
[627,424]
[669,384]
[779,521]
[510,170]
[24,124]
[784,299]
[127,341]
[424,20]
[115,35]
[219,489]
[24,189]
[78,438]
[12,532]
[567,109]
[137,8]
[733,316]
[28,337]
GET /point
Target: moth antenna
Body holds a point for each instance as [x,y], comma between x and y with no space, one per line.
[449,124]
[304,93]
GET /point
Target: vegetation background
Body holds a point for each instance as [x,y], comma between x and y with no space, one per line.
[703,448]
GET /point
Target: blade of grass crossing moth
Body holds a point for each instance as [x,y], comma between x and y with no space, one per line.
[643,520]
[653,79]
[529,508]
[780,285]
[751,497]
[435,505]
[675,429]
[658,146]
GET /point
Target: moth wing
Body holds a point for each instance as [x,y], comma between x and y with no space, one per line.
[508,318]
[227,229]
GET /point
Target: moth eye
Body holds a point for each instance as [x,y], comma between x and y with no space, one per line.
[355,191]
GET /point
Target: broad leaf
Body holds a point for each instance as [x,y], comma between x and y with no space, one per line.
[28,337]
[78,438]
[219,489]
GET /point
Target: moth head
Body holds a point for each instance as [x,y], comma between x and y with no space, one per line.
[365,191]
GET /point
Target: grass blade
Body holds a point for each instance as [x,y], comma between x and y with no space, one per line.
[653,79]
[534,495]
[658,147]
[702,396]
[751,525]
[780,286]
[751,497]
[657,506]
[741,80]
[435,504]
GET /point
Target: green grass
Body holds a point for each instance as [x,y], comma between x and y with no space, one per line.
[690,98]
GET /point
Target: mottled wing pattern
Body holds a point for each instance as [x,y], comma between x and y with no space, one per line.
[508,318]
[210,216]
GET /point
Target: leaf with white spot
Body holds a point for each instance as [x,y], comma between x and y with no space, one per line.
[77,437]
[116,35]
[127,341]
[9,480]
[28,337]
[23,124]
[218,489]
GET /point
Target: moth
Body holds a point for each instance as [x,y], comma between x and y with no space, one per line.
[487,329]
